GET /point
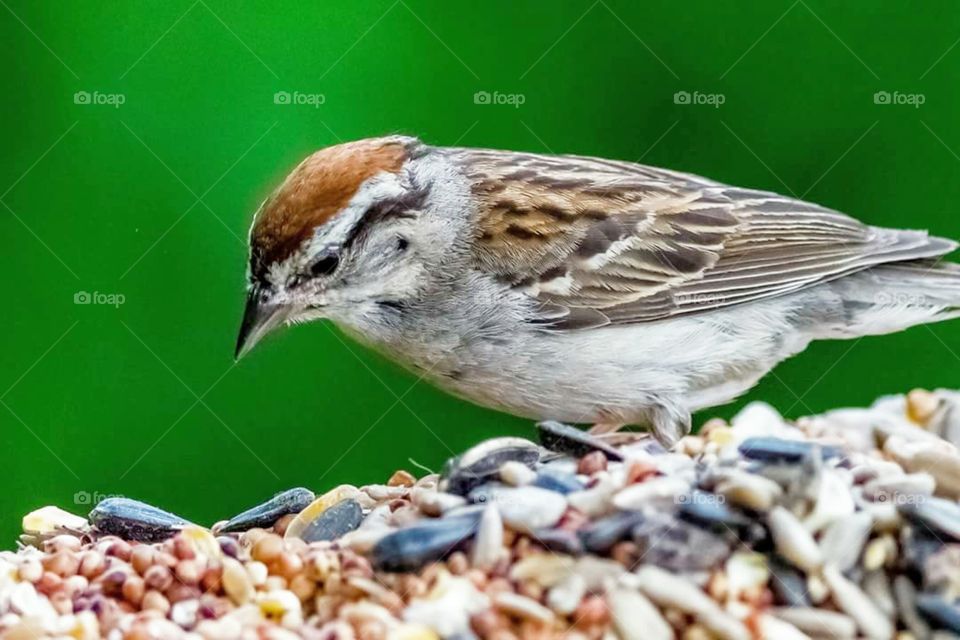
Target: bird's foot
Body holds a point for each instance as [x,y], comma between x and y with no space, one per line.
[612,433]
[605,428]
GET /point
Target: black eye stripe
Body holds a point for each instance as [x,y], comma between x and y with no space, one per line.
[402,207]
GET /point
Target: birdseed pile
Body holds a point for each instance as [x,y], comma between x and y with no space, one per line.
[843,525]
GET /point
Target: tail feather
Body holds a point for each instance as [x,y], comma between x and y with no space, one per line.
[895,296]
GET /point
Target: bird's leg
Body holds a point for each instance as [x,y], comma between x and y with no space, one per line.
[669,423]
[610,431]
[606,428]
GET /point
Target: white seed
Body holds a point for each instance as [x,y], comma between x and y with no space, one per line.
[635,617]
[843,541]
[818,623]
[527,509]
[516,473]
[184,613]
[745,572]
[488,544]
[567,594]
[546,569]
[876,584]
[663,490]
[448,606]
[792,540]
[668,590]
[236,582]
[750,490]
[905,595]
[855,603]
[944,466]
[523,607]
[773,627]
[833,502]
[902,486]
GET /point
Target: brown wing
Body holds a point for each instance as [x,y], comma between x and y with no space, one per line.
[598,242]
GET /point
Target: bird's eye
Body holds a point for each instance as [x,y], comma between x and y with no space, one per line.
[402,244]
[325,264]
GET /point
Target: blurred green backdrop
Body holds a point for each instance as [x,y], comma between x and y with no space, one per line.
[139,137]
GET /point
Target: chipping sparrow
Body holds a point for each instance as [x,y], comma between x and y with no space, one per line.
[572,288]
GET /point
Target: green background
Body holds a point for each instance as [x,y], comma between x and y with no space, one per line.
[152,200]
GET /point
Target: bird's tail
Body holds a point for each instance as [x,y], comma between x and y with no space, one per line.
[894,296]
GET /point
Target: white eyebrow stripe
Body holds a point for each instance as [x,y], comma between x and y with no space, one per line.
[381,187]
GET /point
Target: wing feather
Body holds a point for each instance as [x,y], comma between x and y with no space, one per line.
[595,241]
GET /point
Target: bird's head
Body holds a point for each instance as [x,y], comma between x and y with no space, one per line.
[348,235]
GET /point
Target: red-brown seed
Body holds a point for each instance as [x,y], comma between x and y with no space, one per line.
[49,582]
[401,478]
[180,592]
[62,603]
[74,585]
[592,463]
[63,563]
[158,577]
[280,526]
[31,570]
[639,471]
[626,553]
[64,542]
[142,557]
[183,548]
[458,563]
[120,549]
[210,582]
[267,549]
[92,564]
[166,559]
[133,590]
[155,601]
[486,623]
[188,572]
[591,611]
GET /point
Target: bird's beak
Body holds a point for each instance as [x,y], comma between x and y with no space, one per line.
[260,317]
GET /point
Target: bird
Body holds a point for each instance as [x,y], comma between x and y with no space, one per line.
[574,288]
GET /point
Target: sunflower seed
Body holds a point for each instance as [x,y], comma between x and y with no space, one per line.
[940,613]
[767,449]
[563,438]
[412,547]
[264,515]
[482,463]
[337,521]
[134,520]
